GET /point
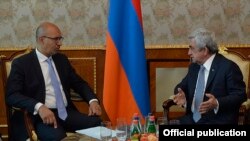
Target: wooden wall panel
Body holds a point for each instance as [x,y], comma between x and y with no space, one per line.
[164,75]
[89,63]
[86,68]
[2,103]
[3,120]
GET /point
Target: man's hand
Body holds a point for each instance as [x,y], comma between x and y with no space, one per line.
[208,105]
[180,98]
[47,116]
[95,109]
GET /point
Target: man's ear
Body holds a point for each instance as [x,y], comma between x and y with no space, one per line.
[206,50]
[40,40]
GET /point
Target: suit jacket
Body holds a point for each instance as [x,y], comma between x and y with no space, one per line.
[26,86]
[225,82]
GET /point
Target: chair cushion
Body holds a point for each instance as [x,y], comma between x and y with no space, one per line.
[8,67]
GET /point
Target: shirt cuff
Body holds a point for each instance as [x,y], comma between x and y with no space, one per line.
[93,100]
[217,108]
[184,106]
[37,106]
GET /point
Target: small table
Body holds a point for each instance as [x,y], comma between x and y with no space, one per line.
[81,137]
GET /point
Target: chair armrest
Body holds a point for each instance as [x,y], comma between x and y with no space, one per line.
[166,106]
[246,104]
[168,103]
[29,126]
[75,96]
[244,113]
[28,123]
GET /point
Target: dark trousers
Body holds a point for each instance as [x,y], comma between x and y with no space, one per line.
[74,121]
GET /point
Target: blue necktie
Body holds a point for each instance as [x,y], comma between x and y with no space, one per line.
[59,98]
[199,93]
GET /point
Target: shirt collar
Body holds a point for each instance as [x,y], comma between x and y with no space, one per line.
[208,63]
[40,56]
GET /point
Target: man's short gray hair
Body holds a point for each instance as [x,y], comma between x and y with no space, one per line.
[204,38]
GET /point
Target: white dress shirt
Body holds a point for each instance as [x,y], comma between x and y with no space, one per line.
[50,99]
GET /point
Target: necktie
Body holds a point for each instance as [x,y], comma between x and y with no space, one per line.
[200,86]
[62,113]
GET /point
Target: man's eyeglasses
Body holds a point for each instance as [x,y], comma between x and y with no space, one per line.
[57,39]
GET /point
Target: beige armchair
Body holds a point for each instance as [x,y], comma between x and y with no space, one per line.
[6,66]
[244,65]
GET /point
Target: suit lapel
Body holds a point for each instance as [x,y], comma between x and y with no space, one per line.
[39,73]
[37,67]
[194,77]
[213,70]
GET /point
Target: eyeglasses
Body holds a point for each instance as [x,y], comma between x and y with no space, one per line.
[57,39]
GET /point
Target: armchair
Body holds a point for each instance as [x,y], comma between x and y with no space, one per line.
[6,66]
[5,69]
[245,68]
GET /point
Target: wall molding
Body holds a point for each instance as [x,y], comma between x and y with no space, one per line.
[102,47]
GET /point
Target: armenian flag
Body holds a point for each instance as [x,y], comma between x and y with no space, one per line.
[125,78]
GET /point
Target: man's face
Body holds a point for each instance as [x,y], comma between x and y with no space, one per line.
[197,55]
[51,41]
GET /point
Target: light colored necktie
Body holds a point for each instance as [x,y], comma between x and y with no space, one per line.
[199,93]
[62,113]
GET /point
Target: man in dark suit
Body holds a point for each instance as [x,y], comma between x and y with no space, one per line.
[30,87]
[224,89]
